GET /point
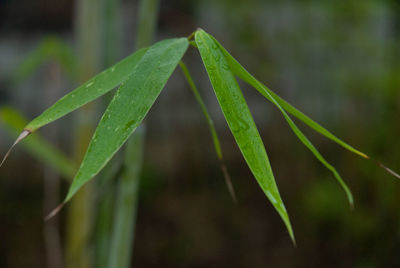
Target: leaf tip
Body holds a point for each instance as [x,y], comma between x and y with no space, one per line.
[388,170]
[54,212]
[25,133]
[291,234]
[293,240]
[228,181]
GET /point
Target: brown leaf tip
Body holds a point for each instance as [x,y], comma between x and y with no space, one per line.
[54,212]
[389,170]
[22,136]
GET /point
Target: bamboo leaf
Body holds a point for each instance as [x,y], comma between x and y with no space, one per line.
[240,121]
[89,91]
[213,131]
[247,77]
[49,48]
[36,145]
[242,73]
[129,106]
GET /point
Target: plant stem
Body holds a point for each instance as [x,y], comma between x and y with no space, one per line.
[148,13]
[129,181]
[111,37]
[80,213]
[127,202]
[51,182]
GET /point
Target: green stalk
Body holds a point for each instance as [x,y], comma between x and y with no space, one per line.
[127,202]
[148,13]
[128,187]
[106,187]
[213,131]
[80,212]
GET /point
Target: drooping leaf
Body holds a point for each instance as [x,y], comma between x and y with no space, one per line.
[240,121]
[36,145]
[213,131]
[89,91]
[240,71]
[129,106]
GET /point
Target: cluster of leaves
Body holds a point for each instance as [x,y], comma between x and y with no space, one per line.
[143,75]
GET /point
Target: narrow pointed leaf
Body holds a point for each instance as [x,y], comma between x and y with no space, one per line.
[240,121]
[247,77]
[36,145]
[129,106]
[89,91]
[241,72]
[213,131]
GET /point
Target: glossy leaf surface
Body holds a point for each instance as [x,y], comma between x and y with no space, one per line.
[129,106]
[240,120]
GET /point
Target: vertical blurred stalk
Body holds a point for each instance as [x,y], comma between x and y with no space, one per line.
[129,181]
[111,40]
[79,222]
[148,14]
[126,203]
[51,183]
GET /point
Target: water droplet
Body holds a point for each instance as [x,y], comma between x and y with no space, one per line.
[89,84]
[217,57]
[271,197]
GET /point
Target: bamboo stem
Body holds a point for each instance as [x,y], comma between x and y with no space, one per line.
[80,212]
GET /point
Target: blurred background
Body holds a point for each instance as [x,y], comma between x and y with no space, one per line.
[337,61]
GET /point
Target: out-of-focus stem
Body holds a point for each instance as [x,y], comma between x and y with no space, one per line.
[80,212]
[148,13]
[111,36]
[51,183]
[129,181]
[127,202]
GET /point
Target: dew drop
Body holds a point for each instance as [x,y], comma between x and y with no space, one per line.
[271,197]
[88,85]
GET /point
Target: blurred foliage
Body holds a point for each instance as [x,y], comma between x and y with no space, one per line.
[339,62]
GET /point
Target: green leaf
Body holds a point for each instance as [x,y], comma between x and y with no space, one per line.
[240,120]
[129,106]
[89,91]
[213,131]
[49,48]
[247,77]
[242,73]
[36,145]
